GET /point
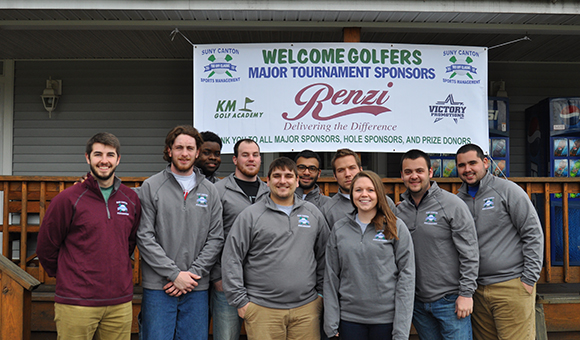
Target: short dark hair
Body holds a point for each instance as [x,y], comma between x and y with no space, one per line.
[414,154]
[104,138]
[470,147]
[283,163]
[180,130]
[343,153]
[245,140]
[308,154]
[209,136]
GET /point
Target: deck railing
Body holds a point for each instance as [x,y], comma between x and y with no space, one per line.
[25,199]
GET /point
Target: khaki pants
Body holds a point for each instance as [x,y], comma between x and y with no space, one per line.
[105,323]
[504,311]
[302,323]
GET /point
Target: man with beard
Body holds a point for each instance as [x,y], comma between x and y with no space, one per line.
[345,165]
[237,192]
[308,164]
[180,238]
[86,240]
[209,159]
[273,261]
[446,252]
[511,248]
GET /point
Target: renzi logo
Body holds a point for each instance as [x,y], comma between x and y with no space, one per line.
[314,97]
[448,108]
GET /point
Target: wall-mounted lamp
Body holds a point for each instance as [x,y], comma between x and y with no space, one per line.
[51,94]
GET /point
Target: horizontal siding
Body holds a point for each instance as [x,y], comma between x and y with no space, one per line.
[138,101]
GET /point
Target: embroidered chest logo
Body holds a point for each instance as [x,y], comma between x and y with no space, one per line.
[122,208]
[431,218]
[380,237]
[488,203]
[303,221]
[201,200]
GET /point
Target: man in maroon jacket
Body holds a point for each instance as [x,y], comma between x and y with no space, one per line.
[86,240]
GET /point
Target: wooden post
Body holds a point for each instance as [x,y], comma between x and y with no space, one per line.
[15,301]
[351,34]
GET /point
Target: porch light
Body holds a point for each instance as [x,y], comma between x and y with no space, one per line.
[51,94]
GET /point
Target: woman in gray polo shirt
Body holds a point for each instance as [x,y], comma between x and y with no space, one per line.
[369,282]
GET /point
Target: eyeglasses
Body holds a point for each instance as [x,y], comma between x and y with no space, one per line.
[303,168]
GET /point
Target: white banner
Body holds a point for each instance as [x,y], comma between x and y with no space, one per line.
[367,97]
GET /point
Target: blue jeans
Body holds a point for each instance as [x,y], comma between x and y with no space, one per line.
[226,322]
[166,317]
[359,331]
[438,320]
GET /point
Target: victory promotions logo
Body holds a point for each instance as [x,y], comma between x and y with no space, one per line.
[448,108]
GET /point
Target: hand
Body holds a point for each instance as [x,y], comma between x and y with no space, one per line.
[218,286]
[242,311]
[171,290]
[463,307]
[184,283]
[528,288]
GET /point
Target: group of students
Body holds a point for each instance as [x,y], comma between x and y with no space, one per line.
[286,260]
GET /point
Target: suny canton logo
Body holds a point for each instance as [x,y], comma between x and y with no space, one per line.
[201,200]
[431,217]
[461,67]
[303,221]
[220,69]
[448,108]
[220,66]
[488,203]
[122,208]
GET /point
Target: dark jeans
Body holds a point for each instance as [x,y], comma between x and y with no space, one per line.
[359,331]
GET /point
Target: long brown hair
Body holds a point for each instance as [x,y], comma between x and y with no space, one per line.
[384,219]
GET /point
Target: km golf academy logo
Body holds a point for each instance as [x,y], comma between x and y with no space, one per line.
[448,108]
[228,108]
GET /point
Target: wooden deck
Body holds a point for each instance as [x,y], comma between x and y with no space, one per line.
[25,200]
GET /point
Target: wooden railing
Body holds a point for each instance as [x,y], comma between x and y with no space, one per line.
[16,301]
[28,195]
